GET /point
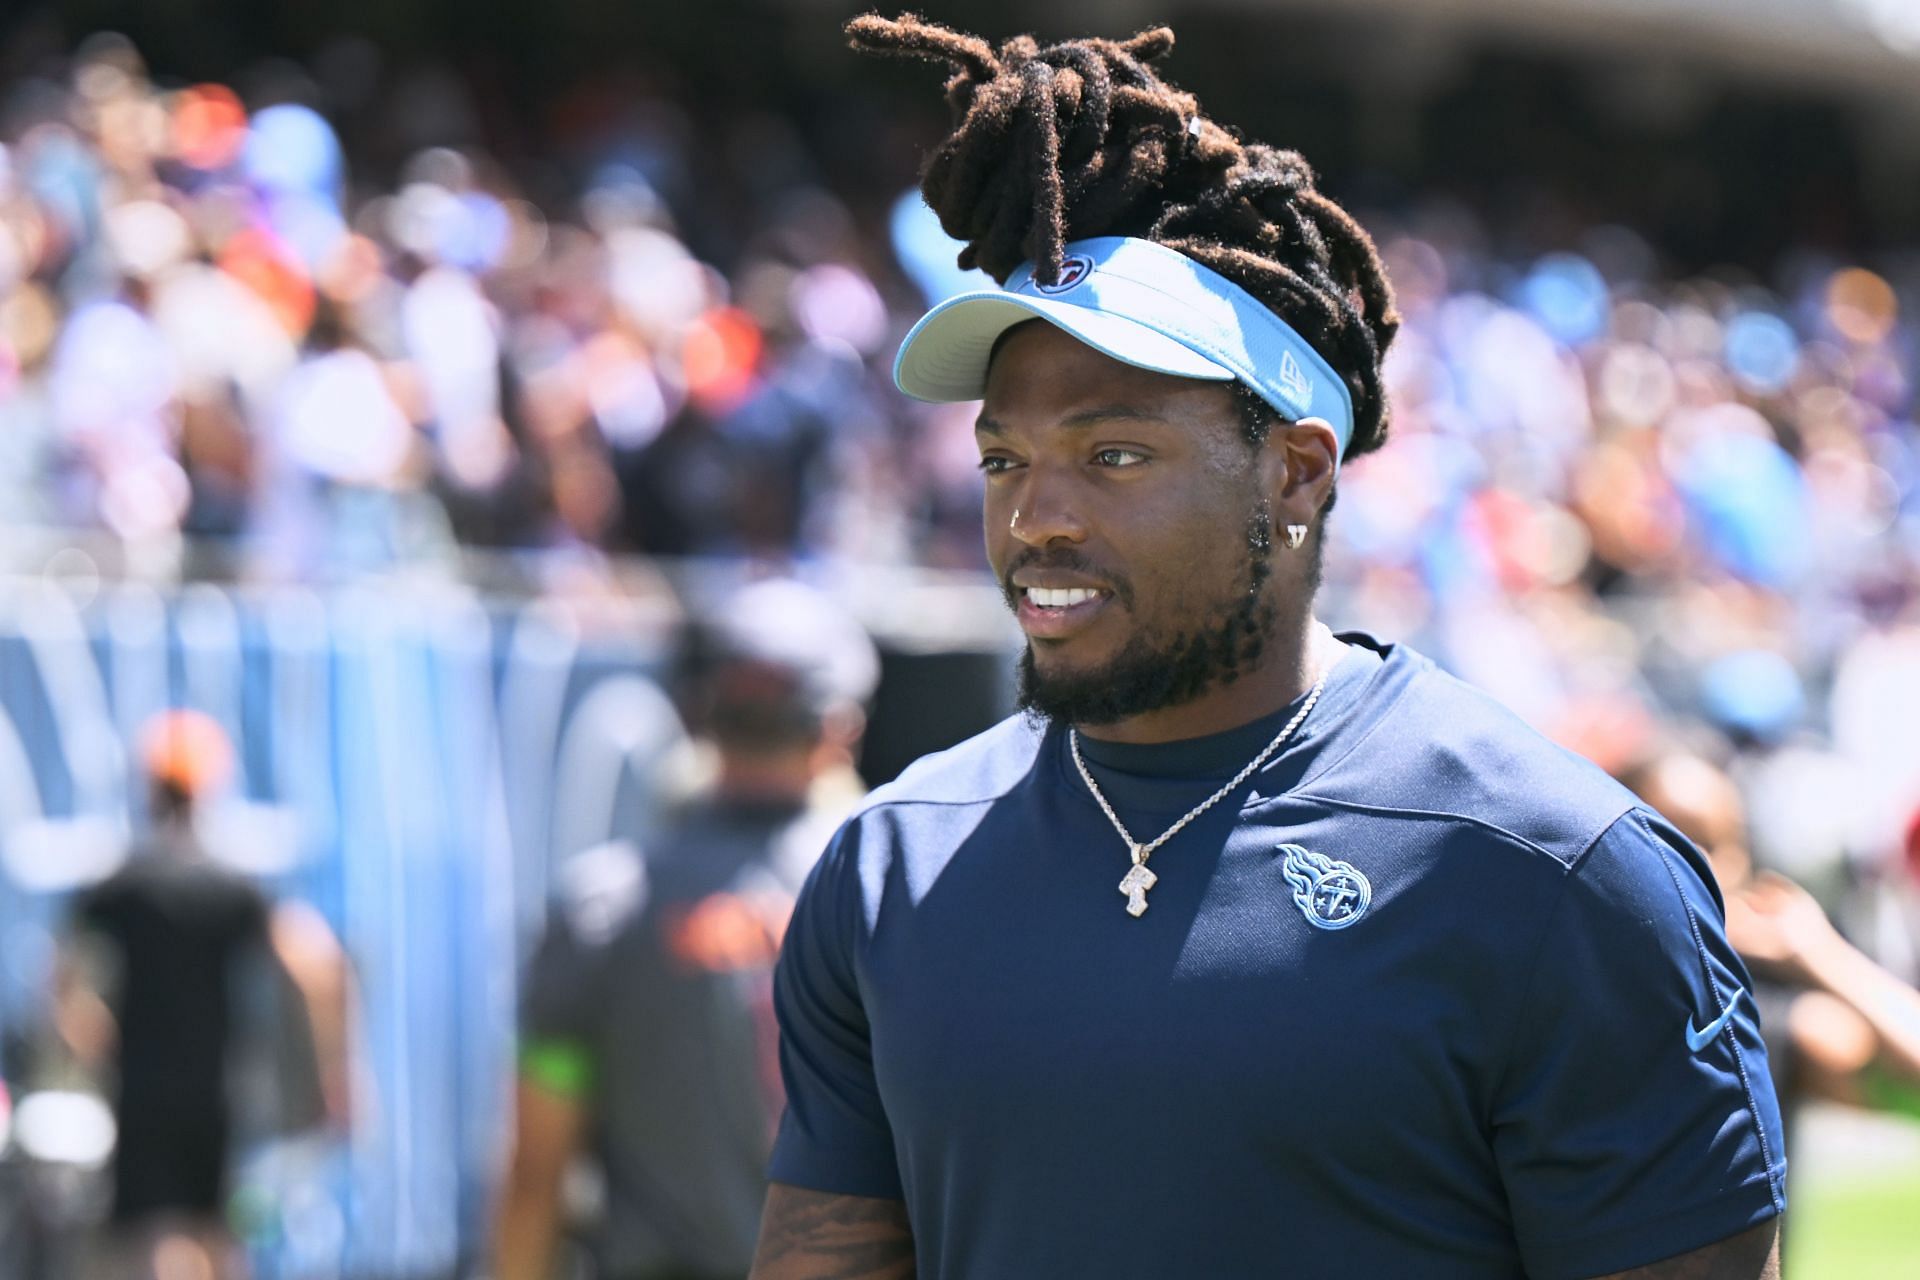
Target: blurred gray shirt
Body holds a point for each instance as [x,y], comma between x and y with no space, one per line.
[657,970]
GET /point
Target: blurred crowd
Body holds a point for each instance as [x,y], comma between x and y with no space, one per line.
[1609,491]
[1639,508]
[210,328]
[1611,494]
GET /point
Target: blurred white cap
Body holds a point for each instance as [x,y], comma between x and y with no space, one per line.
[782,623]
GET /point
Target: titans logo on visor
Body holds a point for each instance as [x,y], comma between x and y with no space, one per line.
[1330,893]
[1077,267]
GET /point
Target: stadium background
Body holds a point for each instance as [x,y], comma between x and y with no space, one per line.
[627,277]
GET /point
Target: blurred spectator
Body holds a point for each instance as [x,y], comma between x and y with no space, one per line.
[463,363]
[174,967]
[210,322]
[1838,1026]
[649,1041]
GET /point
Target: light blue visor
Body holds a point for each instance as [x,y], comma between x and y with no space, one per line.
[1140,303]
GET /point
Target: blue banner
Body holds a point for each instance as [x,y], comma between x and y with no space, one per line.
[413,763]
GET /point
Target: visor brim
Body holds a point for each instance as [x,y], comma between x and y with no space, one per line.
[944,357]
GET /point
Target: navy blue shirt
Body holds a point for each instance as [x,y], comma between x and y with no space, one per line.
[1427,997]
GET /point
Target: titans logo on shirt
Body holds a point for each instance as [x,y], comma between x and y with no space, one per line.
[1331,894]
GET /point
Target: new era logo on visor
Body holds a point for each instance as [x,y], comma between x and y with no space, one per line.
[1078,267]
[1294,378]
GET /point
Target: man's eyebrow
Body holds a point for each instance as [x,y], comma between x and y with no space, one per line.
[988,426]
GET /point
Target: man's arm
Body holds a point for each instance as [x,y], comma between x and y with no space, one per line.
[316,963]
[547,1129]
[813,1235]
[1754,1254]
[82,973]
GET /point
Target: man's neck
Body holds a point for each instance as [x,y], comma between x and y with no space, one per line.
[1289,670]
[771,779]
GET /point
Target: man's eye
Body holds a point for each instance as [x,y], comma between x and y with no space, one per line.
[993,464]
[1119,458]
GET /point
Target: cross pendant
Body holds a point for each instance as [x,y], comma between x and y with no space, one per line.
[1135,886]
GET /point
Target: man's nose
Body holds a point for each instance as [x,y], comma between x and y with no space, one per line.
[1045,512]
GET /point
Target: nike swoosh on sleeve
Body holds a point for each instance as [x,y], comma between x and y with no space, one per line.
[1699,1038]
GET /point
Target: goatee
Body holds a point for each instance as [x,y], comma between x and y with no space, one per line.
[1151,672]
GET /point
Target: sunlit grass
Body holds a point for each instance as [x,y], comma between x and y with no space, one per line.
[1865,1229]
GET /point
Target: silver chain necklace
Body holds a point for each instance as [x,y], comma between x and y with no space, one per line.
[1139,879]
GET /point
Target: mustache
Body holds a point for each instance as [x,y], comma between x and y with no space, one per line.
[1062,560]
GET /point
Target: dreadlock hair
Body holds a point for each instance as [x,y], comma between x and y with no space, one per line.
[1082,138]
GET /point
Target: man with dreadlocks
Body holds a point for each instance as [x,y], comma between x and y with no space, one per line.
[1391,986]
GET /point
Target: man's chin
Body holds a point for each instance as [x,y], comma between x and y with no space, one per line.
[1052,687]
[1058,685]
[1053,666]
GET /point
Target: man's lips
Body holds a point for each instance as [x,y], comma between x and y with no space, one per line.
[1054,612]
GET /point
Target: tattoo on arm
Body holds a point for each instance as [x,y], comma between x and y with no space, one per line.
[813,1235]
[1754,1254]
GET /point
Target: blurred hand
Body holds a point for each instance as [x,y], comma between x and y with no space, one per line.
[1774,922]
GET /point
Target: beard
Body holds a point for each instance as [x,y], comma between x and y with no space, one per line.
[1156,670]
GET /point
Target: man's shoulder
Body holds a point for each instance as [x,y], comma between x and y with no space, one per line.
[904,834]
[1441,747]
[979,770]
[153,871]
[599,893]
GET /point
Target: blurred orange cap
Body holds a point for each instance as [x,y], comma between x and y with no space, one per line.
[187,749]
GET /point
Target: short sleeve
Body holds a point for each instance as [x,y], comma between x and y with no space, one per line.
[96,909]
[253,917]
[559,993]
[560,1003]
[598,893]
[1635,1119]
[834,1136]
[95,940]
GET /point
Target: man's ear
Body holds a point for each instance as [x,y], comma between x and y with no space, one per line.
[1304,459]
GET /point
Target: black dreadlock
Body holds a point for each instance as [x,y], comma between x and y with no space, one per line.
[1083,138]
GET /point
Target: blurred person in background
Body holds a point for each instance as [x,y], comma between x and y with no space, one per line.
[174,969]
[1839,1027]
[648,1038]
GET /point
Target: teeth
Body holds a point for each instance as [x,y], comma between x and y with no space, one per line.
[1059,597]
